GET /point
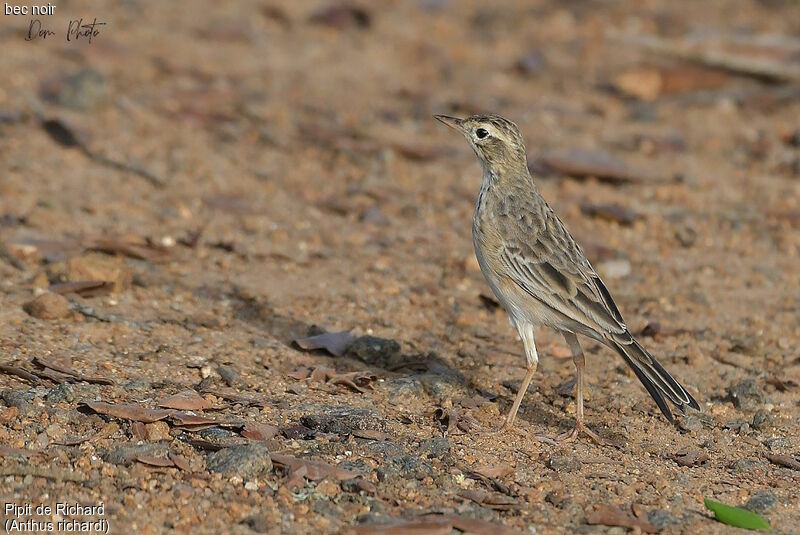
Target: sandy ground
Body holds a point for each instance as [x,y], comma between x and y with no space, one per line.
[235,177]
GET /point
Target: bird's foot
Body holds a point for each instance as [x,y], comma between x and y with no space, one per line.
[574,433]
[506,427]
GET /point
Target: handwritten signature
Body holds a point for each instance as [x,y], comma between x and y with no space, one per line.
[76,30]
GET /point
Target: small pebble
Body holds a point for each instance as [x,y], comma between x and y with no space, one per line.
[746,395]
[762,501]
[564,464]
[48,306]
[243,461]
[761,419]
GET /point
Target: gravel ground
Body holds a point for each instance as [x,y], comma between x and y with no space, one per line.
[204,185]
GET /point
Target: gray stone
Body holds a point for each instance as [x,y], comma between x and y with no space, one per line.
[404,389]
[214,438]
[778,443]
[374,350]
[762,501]
[662,519]
[343,420]
[64,392]
[357,465]
[761,419]
[246,461]
[434,448]
[746,395]
[229,375]
[559,498]
[443,383]
[690,422]
[405,467]
[21,399]
[127,453]
[384,449]
[742,466]
[564,464]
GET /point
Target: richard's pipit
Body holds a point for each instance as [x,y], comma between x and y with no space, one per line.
[540,275]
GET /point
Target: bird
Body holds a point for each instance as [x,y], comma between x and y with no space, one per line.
[540,274]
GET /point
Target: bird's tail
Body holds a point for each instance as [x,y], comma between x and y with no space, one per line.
[658,382]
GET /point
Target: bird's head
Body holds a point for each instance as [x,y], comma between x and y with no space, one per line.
[496,141]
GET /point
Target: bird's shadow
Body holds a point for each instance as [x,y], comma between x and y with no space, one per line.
[436,377]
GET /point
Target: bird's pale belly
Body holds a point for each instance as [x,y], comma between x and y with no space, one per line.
[521,307]
[515,310]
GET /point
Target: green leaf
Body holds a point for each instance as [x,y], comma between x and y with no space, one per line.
[736,516]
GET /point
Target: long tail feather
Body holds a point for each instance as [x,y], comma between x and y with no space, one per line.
[658,382]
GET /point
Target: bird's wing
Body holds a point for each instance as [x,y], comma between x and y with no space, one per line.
[542,258]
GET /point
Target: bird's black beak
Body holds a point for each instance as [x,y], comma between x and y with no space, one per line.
[453,122]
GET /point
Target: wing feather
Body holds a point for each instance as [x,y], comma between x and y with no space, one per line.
[553,269]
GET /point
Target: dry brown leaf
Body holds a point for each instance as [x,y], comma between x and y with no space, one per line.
[451,419]
[150,460]
[193,422]
[312,470]
[690,458]
[138,431]
[259,431]
[582,163]
[335,343]
[609,515]
[180,462]
[432,526]
[370,434]
[186,400]
[229,394]
[83,288]
[356,381]
[140,251]
[128,411]
[72,440]
[496,471]
[610,212]
[19,372]
[783,460]
[359,381]
[320,374]
[185,418]
[300,373]
[8,451]
[63,365]
[54,376]
[366,486]
[492,500]
[477,526]
[781,385]
[437,523]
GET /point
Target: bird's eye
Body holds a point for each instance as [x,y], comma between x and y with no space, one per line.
[481,133]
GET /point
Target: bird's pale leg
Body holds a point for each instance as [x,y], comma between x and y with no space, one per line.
[580,362]
[532,361]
